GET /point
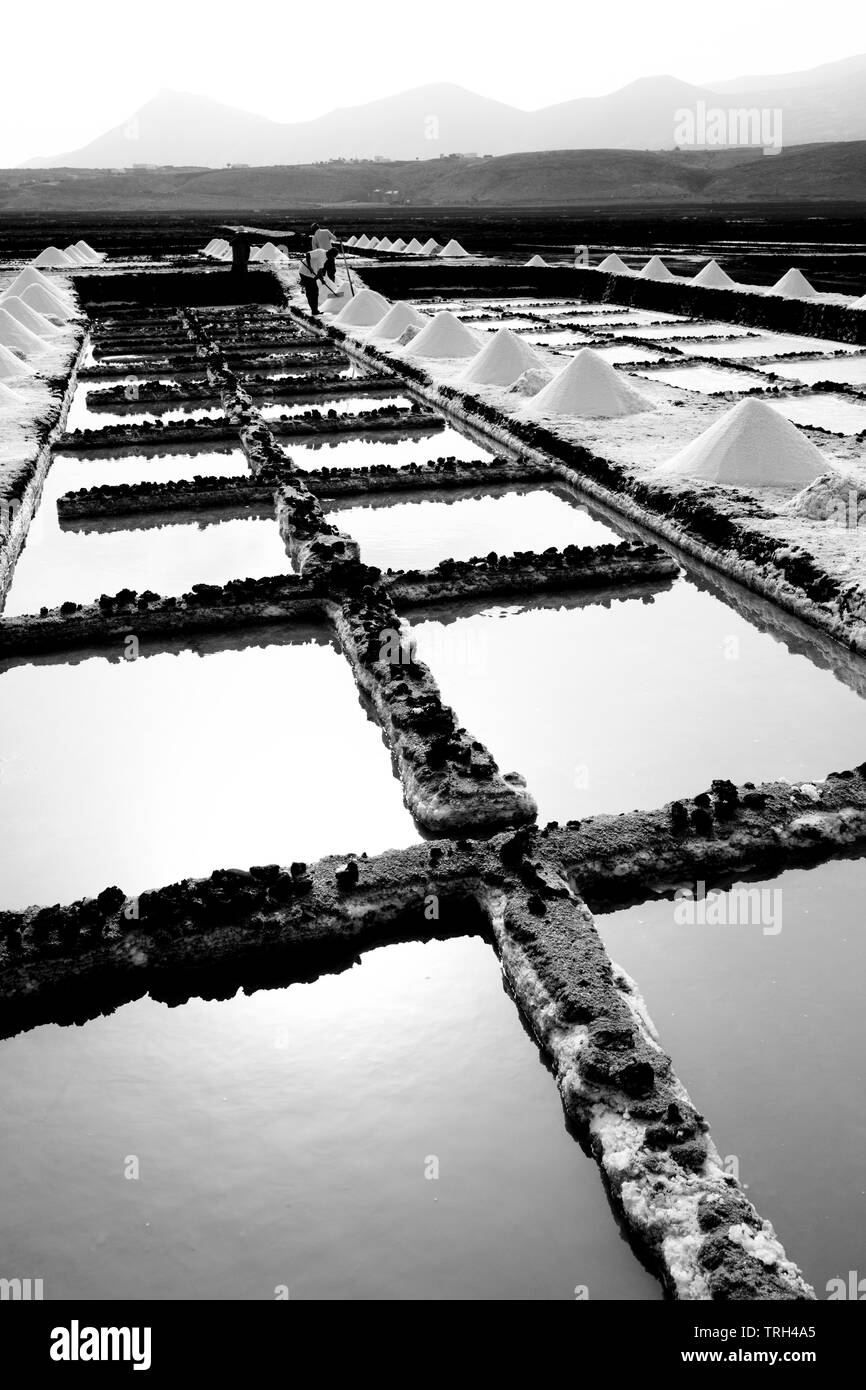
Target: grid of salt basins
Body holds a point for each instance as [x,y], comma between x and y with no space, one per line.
[253,747]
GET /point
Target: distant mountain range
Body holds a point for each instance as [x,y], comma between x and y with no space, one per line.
[557,178]
[176,128]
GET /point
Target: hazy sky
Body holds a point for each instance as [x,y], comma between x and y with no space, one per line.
[81,68]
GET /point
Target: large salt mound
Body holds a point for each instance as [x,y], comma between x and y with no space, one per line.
[12,366]
[14,335]
[31,276]
[859,303]
[75,255]
[590,387]
[536,261]
[52,256]
[399,317]
[414,247]
[363,242]
[793,285]
[445,336]
[45,302]
[383,245]
[655,269]
[365,309]
[713,277]
[752,445]
[453,249]
[502,361]
[88,251]
[350,241]
[7,398]
[614,265]
[398,245]
[30,318]
[431,247]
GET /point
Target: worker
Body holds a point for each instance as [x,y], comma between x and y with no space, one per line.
[324,240]
[312,273]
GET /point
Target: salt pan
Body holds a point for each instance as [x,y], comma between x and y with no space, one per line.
[445,336]
[502,361]
[751,445]
[590,387]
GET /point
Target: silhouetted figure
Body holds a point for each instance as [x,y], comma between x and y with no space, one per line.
[241,244]
[312,272]
[324,240]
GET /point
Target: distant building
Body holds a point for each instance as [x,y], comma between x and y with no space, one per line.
[239,166]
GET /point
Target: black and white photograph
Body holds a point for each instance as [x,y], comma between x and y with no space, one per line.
[432,673]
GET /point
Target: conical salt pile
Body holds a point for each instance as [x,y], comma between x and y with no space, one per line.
[614,265]
[15,336]
[590,387]
[453,249]
[75,255]
[655,269]
[88,251]
[269,252]
[29,317]
[352,241]
[398,245]
[502,361]
[399,317]
[45,302]
[31,276]
[536,261]
[210,246]
[363,242]
[431,247]
[714,278]
[445,336]
[365,309]
[52,257]
[11,366]
[413,247]
[750,446]
[793,285]
[859,303]
[8,398]
[383,245]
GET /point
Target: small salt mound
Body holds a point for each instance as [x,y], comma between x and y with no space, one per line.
[52,256]
[365,309]
[30,276]
[713,277]
[75,255]
[445,336]
[398,245]
[655,269]
[751,445]
[363,242]
[614,265]
[11,366]
[531,382]
[832,497]
[453,248]
[88,251]
[859,303]
[503,360]
[256,253]
[30,318]
[210,246]
[383,245]
[268,252]
[399,317]
[431,247]
[793,285]
[536,261]
[589,386]
[15,336]
[414,247]
[350,241]
[7,398]
[45,302]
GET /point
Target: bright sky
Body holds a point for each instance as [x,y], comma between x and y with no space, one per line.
[80,69]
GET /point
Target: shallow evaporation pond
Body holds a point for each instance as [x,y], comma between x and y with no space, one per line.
[82,417]
[146,771]
[689,330]
[758,995]
[78,561]
[835,413]
[557,338]
[390,451]
[756,347]
[418,533]
[625,352]
[347,405]
[606,708]
[710,381]
[353,1087]
[257,375]
[845,370]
